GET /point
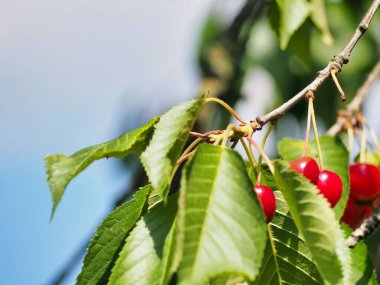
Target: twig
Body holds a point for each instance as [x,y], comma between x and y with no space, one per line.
[365,229]
[336,63]
[354,107]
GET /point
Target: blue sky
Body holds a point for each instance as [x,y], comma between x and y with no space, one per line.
[70,71]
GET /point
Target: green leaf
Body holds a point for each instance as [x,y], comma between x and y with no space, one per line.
[317,224]
[293,14]
[299,44]
[363,271]
[319,18]
[168,140]
[109,238]
[229,280]
[335,158]
[221,224]
[287,259]
[61,169]
[146,255]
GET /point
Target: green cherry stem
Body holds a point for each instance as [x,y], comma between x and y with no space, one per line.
[264,140]
[316,137]
[308,124]
[191,147]
[363,143]
[184,157]
[261,151]
[227,133]
[373,135]
[228,108]
[250,155]
[189,151]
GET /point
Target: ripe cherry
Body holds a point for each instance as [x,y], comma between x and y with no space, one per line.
[330,186]
[365,181]
[355,212]
[267,201]
[306,166]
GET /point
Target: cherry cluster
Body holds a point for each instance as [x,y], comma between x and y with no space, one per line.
[364,193]
[328,183]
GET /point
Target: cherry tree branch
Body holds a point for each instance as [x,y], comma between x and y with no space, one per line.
[347,114]
[345,117]
[367,227]
[335,64]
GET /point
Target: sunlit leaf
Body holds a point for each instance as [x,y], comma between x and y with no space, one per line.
[109,238]
[146,255]
[168,140]
[317,224]
[287,259]
[221,224]
[61,169]
[335,158]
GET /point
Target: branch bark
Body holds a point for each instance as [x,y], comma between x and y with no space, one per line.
[347,114]
[367,227]
[337,62]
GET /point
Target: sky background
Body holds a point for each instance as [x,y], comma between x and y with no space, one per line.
[75,73]
[70,72]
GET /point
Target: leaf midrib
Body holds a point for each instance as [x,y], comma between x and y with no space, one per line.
[201,236]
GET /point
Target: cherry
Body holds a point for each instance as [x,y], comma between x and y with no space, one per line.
[267,201]
[355,212]
[306,166]
[365,181]
[330,186]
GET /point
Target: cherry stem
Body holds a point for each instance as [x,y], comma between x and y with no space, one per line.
[316,136]
[308,124]
[228,107]
[363,143]
[249,153]
[270,128]
[261,151]
[227,133]
[258,179]
[342,97]
[350,140]
[186,154]
[189,151]
[190,147]
[206,135]
[184,157]
[373,135]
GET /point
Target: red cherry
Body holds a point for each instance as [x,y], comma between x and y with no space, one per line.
[306,166]
[330,185]
[355,212]
[365,181]
[267,201]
